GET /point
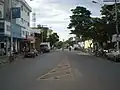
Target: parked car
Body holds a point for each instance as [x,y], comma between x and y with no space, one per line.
[30,54]
[44,48]
[113,55]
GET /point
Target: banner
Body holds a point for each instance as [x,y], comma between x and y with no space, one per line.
[16,13]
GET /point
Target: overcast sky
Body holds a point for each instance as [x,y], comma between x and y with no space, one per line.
[55,13]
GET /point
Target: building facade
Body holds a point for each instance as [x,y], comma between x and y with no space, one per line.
[22,24]
[36,33]
[13,30]
[5,26]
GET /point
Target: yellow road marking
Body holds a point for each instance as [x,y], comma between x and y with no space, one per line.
[58,70]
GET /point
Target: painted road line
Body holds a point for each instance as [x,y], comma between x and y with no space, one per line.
[63,69]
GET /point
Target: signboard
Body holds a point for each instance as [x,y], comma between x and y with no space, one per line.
[16,12]
[111,0]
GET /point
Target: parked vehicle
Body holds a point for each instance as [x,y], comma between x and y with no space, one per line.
[45,47]
[113,55]
[36,52]
[101,53]
[30,54]
[76,47]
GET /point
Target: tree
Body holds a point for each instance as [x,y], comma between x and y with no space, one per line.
[53,38]
[59,44]
[108,15]
[80,21]
[44,32]
[70,41]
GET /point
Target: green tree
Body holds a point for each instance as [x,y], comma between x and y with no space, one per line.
[80,21]
[70,41]
[59,44]
[108,15]
[53,39]
[44,32]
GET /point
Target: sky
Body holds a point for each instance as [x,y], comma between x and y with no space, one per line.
[55,13]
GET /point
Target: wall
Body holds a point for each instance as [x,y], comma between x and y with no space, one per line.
[24,21]
[87,43]
[7,28]
[16,31]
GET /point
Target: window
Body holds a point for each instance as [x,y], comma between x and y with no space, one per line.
[1,25]
[0,14]
[28,13]
[23,33]
[22,20]
[8,28]
[22,8]
[2,45]
[28,24]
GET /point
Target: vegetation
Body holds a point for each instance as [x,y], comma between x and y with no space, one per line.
[98,29]
[47,35]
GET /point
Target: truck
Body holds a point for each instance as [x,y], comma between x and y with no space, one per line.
[45,47]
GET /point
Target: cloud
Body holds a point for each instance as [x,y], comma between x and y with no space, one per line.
[55,13]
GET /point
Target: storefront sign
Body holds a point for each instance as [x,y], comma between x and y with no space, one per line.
[16,12]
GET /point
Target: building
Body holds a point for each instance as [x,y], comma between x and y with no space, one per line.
[36,33]
[14,31]
[5,25]
[21,26]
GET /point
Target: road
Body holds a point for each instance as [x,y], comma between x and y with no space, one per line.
[61,71]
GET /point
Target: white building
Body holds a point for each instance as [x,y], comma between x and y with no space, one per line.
[19,28]
[24,21]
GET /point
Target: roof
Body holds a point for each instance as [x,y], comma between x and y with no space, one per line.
[26,5]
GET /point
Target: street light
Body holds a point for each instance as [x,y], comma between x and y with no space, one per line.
[116,19]
[95,2]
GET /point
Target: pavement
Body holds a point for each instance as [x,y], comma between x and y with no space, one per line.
[5,59]
[61,70]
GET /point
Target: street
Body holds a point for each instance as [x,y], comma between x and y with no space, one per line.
[61,70]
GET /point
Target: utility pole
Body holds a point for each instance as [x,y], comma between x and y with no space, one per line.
[8,17]
[11,39]
[116,19]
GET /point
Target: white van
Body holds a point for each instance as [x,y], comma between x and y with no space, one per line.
[45,46]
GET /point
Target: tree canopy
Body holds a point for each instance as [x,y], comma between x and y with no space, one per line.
[98,29]
[47,35]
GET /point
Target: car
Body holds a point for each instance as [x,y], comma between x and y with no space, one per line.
[44,48]
[30,54]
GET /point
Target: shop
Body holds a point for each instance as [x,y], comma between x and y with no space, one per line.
[28,43]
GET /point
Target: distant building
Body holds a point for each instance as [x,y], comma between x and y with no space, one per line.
[36,33]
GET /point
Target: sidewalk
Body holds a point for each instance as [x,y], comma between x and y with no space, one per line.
[5,59]
[87,52]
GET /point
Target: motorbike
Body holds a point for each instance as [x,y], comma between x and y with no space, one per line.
[69,49]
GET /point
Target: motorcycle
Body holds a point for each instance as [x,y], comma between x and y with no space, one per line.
[69,49]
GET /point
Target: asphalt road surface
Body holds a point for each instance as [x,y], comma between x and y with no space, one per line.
[61,70]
